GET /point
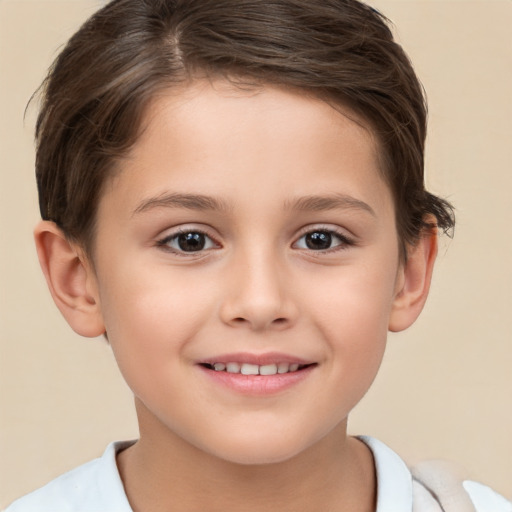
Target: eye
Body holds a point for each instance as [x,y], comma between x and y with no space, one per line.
[322,240]
[187,241]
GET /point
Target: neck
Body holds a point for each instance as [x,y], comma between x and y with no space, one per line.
[163,472]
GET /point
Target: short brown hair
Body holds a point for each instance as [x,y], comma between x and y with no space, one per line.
[339,50]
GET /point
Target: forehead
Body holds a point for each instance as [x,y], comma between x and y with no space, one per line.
[270,104]
[219,138]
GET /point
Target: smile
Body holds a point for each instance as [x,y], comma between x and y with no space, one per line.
[257,375]
[255,369]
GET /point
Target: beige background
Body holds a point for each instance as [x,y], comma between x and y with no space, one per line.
[445,389]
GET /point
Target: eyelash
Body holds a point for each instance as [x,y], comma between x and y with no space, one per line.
[344,241]
[164,243]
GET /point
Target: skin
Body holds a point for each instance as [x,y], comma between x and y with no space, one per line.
[255,288]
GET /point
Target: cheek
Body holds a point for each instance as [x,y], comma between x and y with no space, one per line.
[149,316]
[353,316]
[356,299]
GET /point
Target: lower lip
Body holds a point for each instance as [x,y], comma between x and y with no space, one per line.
[258,384]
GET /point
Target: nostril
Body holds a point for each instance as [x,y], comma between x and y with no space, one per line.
[258,320]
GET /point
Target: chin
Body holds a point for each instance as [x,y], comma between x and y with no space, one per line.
[258,457]
[258,449]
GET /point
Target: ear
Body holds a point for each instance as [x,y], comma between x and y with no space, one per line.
[70,278]
[413,281]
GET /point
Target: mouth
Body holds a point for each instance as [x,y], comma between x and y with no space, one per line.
[255,369]
[259,375]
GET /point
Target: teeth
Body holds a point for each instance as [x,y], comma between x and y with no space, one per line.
[268,369]
[249,369]
[254,369]
[233,368]
[283,368]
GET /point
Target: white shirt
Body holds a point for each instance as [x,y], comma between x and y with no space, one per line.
[97,487]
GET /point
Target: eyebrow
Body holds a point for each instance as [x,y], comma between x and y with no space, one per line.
[329,202]
[208,203]
[187,201]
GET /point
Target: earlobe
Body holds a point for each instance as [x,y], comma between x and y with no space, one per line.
[414,282]
[70,279]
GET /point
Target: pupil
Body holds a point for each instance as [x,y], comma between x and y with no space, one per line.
[190,242]
[319,240]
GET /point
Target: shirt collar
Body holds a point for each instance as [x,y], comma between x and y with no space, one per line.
[394,480]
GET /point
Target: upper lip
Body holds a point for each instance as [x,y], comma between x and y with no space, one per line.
[257,359]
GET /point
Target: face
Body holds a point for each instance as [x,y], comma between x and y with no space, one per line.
[246,265]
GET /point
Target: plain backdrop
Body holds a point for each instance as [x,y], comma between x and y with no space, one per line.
[445,388]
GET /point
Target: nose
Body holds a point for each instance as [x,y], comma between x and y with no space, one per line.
[258,294]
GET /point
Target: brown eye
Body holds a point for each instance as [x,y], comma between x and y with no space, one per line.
[187,242]
[323,240]
[318,240]
[190,242]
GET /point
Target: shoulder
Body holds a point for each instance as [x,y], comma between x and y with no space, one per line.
[91,487]
[485,499]
[431,486]
[443,483]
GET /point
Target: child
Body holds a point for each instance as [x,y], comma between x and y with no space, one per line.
[232,192]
